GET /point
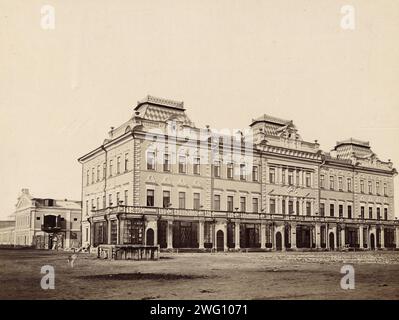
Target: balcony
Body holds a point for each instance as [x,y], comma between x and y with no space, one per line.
[212,214]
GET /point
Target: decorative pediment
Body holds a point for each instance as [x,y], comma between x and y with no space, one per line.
[151,180]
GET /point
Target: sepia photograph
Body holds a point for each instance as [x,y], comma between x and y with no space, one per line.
[218,152]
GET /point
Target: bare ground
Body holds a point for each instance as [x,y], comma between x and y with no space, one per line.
[269,275]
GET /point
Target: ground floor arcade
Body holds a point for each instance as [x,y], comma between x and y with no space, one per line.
[225,234]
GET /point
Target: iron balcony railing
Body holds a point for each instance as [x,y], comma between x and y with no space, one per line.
[213,214]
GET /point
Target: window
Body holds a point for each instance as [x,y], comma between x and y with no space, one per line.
[150,198]
[87,234]
[322,181]
[182,200]
[216,169]
[385,189]
[362,212]
[283,208]
[349,212]
[297,208]
[126,198]
[87,177]
[117,198]
[370,187]
[332,182]
[340,184]
[110,200]
[341,210]
[243,204]
[370,213]
[290,207]
[255,205]
[308,208]
[104,202]
[166,199]
[307,179]
[98,173]
[98,203]
[216,203]
[87,207]
[37,218]
[385,213]
[197,201]
[362,186]
[283,176]
[110,168]
[182,164]
[196,167]
[229,171]
[151,160]
[272,175]
[166,162]
[242,172]
[322,210]
[92,175]
[378,214]
[377,187]
[104,170]
[290,177]
[297,177]
[126,162]
[118,165]
[230,203]
[349,184]
[332,210]
[272,206]
[255,173]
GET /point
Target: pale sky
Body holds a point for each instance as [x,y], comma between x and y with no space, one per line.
[229,61]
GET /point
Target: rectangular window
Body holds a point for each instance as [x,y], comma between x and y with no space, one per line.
[166,199]
[110,168]
[361,212]
[196,166]
[216,203]
[272,206]
[377,187]
[283,208]
[125,202]
[290,207]
[308,208]
[150,198]
[349,184]
[385,213]
[104,202]
[341,210]
[118,165]
[92,175]
[255,205]
[216,169]
[197,201]
[332,210]
[297,177]
[166,162]
[98,203]
[87,207]
[362,186]
[332,182]
[98,173]
[255,173]
[230,204]
[283,176]
[104,170]
[110,200]
[308,182]
[378,214]
[243,174]
[290,177]
[370,212]
[182,164]
[272,175]
[349,212]
[126,162]
[370,187]
[182,200]
[322,210]
[340,184]
[322,181]
[385,189]
[118,198]
[243,204]
[151,160]
[88,177]
[229,171]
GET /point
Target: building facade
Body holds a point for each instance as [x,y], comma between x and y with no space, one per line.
[158,179]
[7,228]
[44,223]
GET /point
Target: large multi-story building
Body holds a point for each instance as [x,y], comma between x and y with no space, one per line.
[158,179]
[42,222]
